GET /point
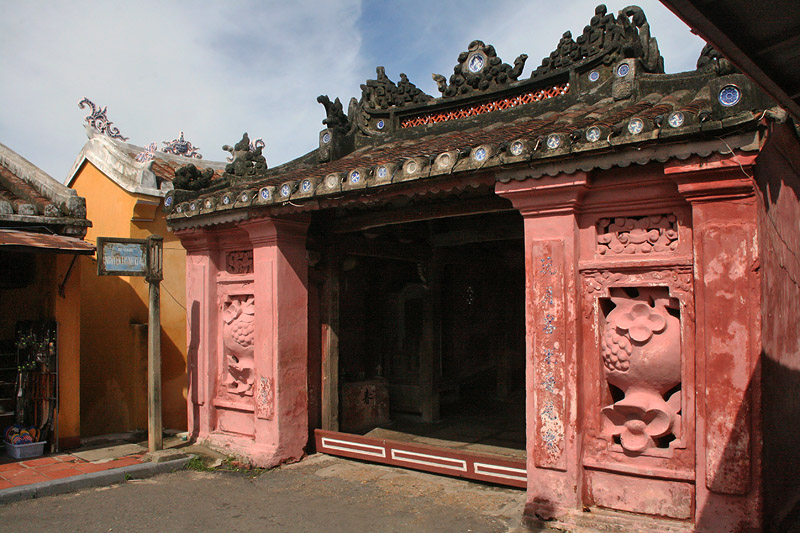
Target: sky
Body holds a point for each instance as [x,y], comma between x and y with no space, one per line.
[215,69]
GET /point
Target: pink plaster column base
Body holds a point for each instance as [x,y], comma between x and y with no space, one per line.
[261,455]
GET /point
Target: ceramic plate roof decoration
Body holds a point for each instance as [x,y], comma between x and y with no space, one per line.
[594,97]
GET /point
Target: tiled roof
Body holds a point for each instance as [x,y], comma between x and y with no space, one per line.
[605,107]
[30,197]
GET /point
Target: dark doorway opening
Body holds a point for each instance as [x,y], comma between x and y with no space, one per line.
[431,333]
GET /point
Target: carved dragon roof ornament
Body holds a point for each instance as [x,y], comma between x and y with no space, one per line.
[383,93]
[479,69]
[608,39]
[256,145]
[99,121]
[335,117]
[711,59]
[181,146]
[246,160]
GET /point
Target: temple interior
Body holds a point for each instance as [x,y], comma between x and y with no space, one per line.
[432,332]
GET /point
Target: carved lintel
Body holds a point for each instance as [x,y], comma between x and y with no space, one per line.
[637,235]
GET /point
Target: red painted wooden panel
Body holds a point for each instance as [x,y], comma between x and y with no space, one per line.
[445,461]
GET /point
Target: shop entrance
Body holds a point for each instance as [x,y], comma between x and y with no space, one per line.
[431,346]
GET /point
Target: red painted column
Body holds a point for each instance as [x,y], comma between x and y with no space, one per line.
[548,207]
[281,334]
[728,339]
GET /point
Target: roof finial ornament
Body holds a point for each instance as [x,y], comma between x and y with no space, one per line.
[336,119]
[148,154]
[246,160]
[382,93]
[255,146]
[479,69]
[98,120]
[608,39]
[181,146]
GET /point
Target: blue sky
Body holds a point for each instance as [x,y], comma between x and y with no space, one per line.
[216,69]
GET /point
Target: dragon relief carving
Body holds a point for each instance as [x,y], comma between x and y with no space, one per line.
[238,338]
[607,38]
[479,69]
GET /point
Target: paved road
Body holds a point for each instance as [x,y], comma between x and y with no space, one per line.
[320,494]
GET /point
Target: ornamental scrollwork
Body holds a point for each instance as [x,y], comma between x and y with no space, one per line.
[99,120]
[181,146]
[637,235]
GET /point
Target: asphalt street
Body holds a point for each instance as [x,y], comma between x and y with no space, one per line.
[322,493]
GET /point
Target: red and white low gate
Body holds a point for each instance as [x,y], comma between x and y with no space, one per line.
[450,462]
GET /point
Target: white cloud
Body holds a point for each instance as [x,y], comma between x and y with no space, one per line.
[217,69]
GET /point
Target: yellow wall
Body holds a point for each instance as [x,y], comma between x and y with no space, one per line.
[67,312]
[114,318]
[40,301]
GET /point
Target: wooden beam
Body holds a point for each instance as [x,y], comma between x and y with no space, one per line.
[330,343]
[380,248]
[476,235]
[418,213]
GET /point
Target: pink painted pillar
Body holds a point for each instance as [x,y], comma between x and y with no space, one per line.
[548,207]
[281,350]
[201,271]
[728,341]
[247,328]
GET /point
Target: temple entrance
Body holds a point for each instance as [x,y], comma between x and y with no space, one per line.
[430,342]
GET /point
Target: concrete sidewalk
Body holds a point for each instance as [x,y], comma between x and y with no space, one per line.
[100,462]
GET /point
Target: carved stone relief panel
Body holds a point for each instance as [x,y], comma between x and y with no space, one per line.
[238,338]
[637,235]
[643,356]
[640,346]
[239,262]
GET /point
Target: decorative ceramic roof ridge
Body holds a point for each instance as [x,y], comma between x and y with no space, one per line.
[612,107]
[117,160]
[478,157]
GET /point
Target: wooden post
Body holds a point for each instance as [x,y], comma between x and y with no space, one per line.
[431,347]
[154,277]
[330,344]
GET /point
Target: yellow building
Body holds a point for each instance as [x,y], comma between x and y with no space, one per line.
[40,241]
[124,186]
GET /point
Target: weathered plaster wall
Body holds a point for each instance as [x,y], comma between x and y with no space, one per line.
[114,317]
[67,312]
[40,301]
[778,178]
